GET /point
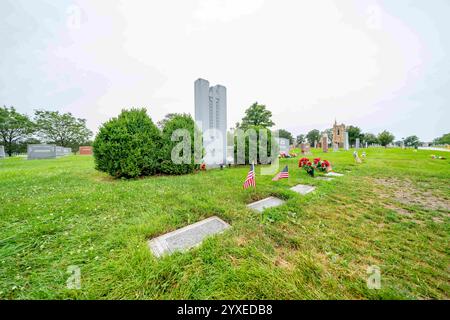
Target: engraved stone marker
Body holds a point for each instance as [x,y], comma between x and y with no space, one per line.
[41,151]
[2,152]
[187,237]
[324,178]
[357,143]
[303,189]
[325,143]
[334,174]
[85,150]
[265,203]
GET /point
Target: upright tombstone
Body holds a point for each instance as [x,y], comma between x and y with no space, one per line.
[302,148]
[346,144]
[357,144]
[41,151]
[283,144]
[85,150]
[325,143]
[2,152]
[315,144]
[211,118]
[335,147]
[366,145]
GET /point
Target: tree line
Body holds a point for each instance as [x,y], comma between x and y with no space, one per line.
[17,130]
[257,115]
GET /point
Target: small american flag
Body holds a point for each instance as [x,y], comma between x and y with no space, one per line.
[284,174]
[250,180]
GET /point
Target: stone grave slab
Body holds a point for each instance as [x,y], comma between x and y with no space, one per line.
[324,178]
[186,237]
[265,203]
[303,188]
[334,174]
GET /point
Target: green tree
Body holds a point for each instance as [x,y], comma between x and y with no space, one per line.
[385,138]
[329,133]
[313,135]
[161,123]
[353,133]
[412,141]
[370,138]
[268,136]
[286,134]
[300,139]
[445,139]
[257,115]
[14,127]
[62,129]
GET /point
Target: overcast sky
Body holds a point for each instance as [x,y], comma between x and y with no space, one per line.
[375,64]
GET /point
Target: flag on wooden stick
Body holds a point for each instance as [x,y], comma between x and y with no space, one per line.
[284,174]
[250,180]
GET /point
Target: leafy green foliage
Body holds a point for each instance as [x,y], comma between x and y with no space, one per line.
[412,141]
[256,129]
[282,133]
[62,129]
[313,135]
[300,139]
[14,127]
[353,134]
[173,123]
[370,138]
[385,138]
[128,146]
[257,115]
[445,139]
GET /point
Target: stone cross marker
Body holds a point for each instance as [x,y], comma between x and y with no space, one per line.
[2,152]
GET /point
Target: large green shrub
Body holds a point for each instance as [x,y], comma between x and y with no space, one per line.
[256,131]
[177,121]
[128,146]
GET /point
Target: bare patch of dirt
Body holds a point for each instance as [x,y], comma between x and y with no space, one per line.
[400,211]
[438,220]
[405,192]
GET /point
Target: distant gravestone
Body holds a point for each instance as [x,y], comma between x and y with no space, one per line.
[315,144]
[2,152]
[187,237]
[59,151]
[325,143]
[265,203]
[85,150]
[366,145]
[346,143]
[41,151]
[303,189]
[357,143]
[335,147]
[67,151]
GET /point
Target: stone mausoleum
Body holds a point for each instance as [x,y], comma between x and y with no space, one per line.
[211,118]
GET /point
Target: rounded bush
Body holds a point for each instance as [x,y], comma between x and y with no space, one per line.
[173,130]
[128,146]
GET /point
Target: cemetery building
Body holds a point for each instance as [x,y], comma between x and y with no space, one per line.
[211,118]
[338,134]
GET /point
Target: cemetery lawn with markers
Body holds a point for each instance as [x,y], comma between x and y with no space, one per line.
[392,211]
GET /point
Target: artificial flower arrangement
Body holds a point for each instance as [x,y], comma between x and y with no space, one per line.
[317,164]
[293,154]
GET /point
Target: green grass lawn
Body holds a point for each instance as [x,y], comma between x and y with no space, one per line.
[392,211]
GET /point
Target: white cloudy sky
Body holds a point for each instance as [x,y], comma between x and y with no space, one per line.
[375,64]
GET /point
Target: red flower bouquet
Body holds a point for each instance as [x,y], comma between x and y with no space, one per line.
[307,165]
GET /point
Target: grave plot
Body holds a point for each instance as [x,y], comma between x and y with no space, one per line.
[265,203]
[334,174]
[303,189]
[187,237]
[324,178]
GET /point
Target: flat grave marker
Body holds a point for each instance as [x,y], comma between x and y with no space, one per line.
[265,203]
[324,178]
[303,188]
[334,174]
[187,237]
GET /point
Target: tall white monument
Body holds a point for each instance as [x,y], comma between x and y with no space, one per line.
[211,118]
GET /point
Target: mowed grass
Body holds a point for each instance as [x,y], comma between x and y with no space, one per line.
[392,211]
